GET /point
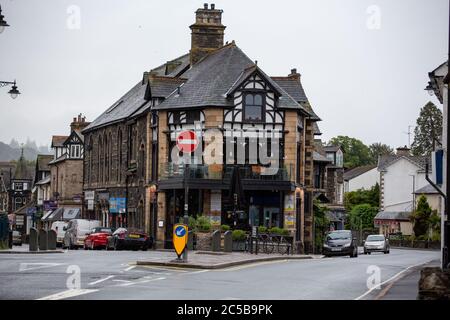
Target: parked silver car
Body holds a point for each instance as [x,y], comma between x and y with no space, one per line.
[376,243]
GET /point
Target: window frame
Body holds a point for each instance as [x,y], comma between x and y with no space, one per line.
[263,106]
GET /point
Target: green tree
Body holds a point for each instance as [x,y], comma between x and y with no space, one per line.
[361,196]
[377,149]
[321,224]
[421,217]
[428,131]
[362,215]
[356,152]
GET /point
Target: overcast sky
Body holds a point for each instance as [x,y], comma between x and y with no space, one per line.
[364,64]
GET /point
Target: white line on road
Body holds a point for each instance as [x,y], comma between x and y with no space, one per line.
[68,294]
[101,280]
[37,265]
[390,279]
[129,268]
[139,282]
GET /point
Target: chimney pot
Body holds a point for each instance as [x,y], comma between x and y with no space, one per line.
[293,71]
[205,6]
[213,6]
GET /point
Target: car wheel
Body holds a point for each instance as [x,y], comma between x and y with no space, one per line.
[144,248]
[85,247]
[92,246]
[369,252]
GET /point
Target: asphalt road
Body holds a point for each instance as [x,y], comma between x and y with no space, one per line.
[110,275]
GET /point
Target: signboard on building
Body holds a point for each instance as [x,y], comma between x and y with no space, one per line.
[117,205]
[89,195]
[31,211]
[216,207]
[50,205]
[289,211]
[90,204]
[19,220]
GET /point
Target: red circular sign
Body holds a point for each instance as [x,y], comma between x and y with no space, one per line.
[187,141]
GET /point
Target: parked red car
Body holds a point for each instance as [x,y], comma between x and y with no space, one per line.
[97,238]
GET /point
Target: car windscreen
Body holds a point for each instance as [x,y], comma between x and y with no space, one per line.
[339,236]
[375,238]
[102,230]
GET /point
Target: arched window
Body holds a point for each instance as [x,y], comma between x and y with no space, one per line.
[106,157]
[99,159]
[119,156]
[141,160]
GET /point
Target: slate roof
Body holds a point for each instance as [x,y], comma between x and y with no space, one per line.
[42,162]
[216,75]
[58,141]
[385,161]
[293,87]
[316,129]
[182,62]
[355,172]
[428,189]
[331,148]
[132,101]
[320,158]
[393,215]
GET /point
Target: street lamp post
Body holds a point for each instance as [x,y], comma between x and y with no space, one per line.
[14,92]
[3,23]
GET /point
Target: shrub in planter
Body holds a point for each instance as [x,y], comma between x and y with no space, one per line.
[239,235]
[279,231]
[203,224]
[191,224]
[262,229]
[224,228]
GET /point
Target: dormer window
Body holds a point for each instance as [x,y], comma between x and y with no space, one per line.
[254,107]
[75,151]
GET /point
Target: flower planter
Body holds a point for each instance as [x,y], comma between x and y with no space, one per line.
[204,240]
[239,245]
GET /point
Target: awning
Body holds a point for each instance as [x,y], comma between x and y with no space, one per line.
[71,213]
[63,214]
[46,215]
[55,215]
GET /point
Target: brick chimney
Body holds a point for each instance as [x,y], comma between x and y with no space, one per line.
[78,123]
[294,74]
[403,151]
[207,32]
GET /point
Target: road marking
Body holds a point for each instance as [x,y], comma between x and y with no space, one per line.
[25,266]
[201,271]
[129,268]
[139,282]
[68,294]
[250,265]
[120,280]
[390,279]
[101,280]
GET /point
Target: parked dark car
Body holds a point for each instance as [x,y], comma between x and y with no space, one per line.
[17,238]
[340,243]
[129,239]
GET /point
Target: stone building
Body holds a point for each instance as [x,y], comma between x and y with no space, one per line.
[260,130]
[42,188]
[67,170]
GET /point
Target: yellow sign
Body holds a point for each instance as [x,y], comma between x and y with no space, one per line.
[180,238]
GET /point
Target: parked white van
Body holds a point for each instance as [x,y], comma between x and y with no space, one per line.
[58,227]
[76,230]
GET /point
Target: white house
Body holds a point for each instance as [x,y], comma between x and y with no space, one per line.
[363,177]
[400,176]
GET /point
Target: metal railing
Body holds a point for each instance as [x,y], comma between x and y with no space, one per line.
[224,172]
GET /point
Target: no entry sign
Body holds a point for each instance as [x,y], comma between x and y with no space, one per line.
[187,141]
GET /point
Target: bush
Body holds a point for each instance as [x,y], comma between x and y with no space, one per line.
[191,224]
[279,231]
[225,228]
[262,229]
[203,224]
[239,235]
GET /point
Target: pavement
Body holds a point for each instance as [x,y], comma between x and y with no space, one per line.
[24,249]
[98,275]
[217,260]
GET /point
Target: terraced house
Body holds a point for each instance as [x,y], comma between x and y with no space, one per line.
[256,130]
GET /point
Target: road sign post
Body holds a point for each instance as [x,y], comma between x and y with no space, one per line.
[180,239]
